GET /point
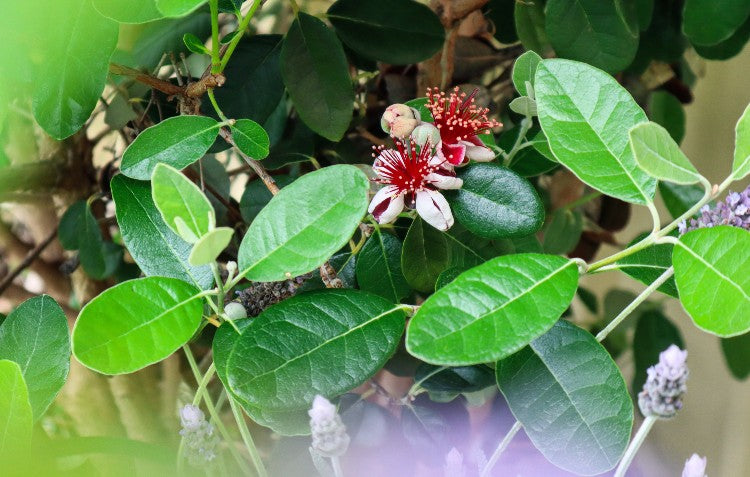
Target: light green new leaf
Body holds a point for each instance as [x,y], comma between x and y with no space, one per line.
[178,141]
[128,11]
[656,153]
[304,224]
[741,164]
[710,269]
[209,246]
[136,323]
[571,399]
[75,64]
[524,70]
[194,44]
[184,208]
[251,138]
[492,310]
[585,115]
[178,8]
[15,415]
[325,342]
[35,335]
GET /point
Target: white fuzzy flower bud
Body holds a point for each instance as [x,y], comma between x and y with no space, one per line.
[665,385]
[329,437]
[695,466]
[231,268]
[399,120]
[426,132]
[235,311]
[191,417]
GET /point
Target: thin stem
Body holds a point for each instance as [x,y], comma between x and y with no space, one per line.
[220,287]
[500,448]
[336,465]
[526,124]
[241,28]
[415,387]
[655,217]
[295,7]
[218,110]
[215,60]
[247,438]
[583,200]
[635,444]
[634,304]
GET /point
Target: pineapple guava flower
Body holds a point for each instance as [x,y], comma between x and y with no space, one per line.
[460,121]
[412,177]
[399,120]
[695,466]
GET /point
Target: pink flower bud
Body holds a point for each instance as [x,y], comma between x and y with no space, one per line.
[394,112]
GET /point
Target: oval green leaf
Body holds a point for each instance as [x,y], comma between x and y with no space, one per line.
[35,335]
[178,8]
[659,155]
[136,323]
[152,244]
[424,256]
[524,70]
[665,109]
[380,29]
[741,163]
[251,138]
[649,264]
[708,22]
[208,247]
[492,310]
[495,202]
[529,20]
[653,334]
[710,269]
[182,205]
[325,342]
[178,141]
[585,114]
[563,232]
[570,398]
[304,224]
[128,11]
[15,415]
[379,267]
[736,351]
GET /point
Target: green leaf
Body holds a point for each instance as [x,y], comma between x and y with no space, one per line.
[529,19]
[495,202]
[74,66]
[304,224]
[178,141]
[424,256]
[659,155]
[728,48]
[585,124]
[154,247]
[707,22]
[645,10]
[194,44]
[166,35]
[736,352]
[35,335]
[595,32]
[257,195]
[420,104]
[523,105]
[15,415]
[208,247]
[529,161]
[500,13]
[563,232]
[524,70]
[316,74]
[99,259]
[135,324]
[178,8]
[251,138]
[665,109]
[462,379]
[570,398]
[323,342]
[680,198]
[492,310]
[381,29]
[379,267]
[182,205]
[710,268]
[653,334]
[741,164]
[71,223]
[128,11]
[649,264]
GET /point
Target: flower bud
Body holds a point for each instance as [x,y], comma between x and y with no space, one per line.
[235,311]
[198,435]
[454,464]
[426,132]
[231,268]
[695,466]
[665,385]
[402,126]
[329,437]
[393,113]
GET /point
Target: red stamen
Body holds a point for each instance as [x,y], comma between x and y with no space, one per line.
[456,116]
[405,168]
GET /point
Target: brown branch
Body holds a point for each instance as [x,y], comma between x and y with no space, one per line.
[27,261]
[254,165]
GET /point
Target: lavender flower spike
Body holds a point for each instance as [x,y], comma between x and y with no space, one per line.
[734,211]
[454,464]
[695,466]
[665,385]
[329,437]
[198,434]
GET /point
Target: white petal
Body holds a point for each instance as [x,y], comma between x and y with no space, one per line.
[444,181]
[478,153]
[434,209]
[385,205]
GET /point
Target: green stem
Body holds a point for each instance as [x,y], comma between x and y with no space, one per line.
[241,28]
[215,60]
[218,110]
[526,124]
[295,7]
[413,390]
[583,200]
[500,448]
[635,444]
[247,438]
[220,286]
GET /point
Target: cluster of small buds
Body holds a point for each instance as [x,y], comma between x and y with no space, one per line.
[329,437]
[259,296]
[198,435]
[399,120]
[454,464]
[666,383]
[695,466]
[734,210]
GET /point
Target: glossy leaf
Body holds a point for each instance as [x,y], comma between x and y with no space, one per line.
[563,231]
[659,155]
[182,205]
[379,267]
[653,334]
[316,74]
[209,246]
[128,11]
[736,352]
[649,264]
[70,224]
[15,415]
[529,20]
[495,202]
[251,138]
[602,34]
[304,224]
[257,195]
[728,48]
[585,123]
[178,141]
[35,335]
[74,66]
[380,29]
[154,247]
[155,38]
[710,271]
[492,310]
[462,379]
[99,259]
[678,199]
[524,70]
[741,164]
[177,8]
[581,415]
[136,323]
[666,110]
[424,256]
[323,342]
[194,44]
[707,22]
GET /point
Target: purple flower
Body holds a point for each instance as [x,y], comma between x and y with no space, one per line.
[695,466]
[329,437]
[198,434]
[734,211]
[665,385]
